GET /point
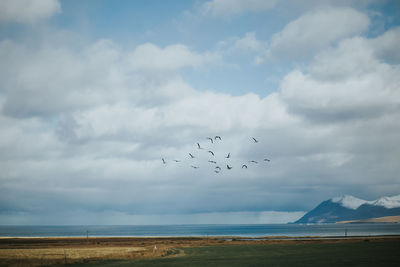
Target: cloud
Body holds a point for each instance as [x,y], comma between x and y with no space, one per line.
[150,57]
[386,45]
[226,8]
[344,83]
[67,80]
[28,11]
[316,30]
[248,42]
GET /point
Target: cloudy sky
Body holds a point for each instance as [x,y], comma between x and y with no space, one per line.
[93,94]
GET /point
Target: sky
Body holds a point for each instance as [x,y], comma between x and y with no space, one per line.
[94,94]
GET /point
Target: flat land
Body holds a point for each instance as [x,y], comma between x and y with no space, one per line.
[201,251]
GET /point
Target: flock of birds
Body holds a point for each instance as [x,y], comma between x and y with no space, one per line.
[211,153]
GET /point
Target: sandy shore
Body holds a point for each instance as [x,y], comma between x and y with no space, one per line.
[55,250]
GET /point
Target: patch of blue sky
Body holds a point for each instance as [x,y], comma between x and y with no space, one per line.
[121,21]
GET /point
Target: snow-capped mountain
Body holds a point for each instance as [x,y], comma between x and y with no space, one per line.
[347,207]
[351,202]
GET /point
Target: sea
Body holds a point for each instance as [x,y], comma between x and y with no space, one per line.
[203,230]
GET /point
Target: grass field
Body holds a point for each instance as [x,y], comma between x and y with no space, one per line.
[364,253]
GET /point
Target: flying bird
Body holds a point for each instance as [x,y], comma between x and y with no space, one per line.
[217,137]
[228,167]
[209,138]
[244,166]
[176,160]
[216,171]
[199,146]
[267,160]
[253,161]
[211,161]
[218,168]
[255,140]
[212,153]
[163,161]
[194,167]
[228,156]
[191,156]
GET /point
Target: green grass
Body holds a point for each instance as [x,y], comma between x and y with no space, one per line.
[340,254]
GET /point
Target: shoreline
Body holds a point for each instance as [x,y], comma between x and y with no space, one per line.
[122,239]
[203,237]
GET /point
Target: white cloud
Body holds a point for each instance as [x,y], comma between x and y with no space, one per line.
[150,57]
[28,11]
[249,42]
[99,73]
[227,8]
[347,82]
[316,30]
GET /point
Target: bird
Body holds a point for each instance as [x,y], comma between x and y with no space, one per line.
[211,161]
[255,140]
[194,167]
[212,153]
[253,161]
[216,171]
[199,146]
[228,167]
[217,137]
[228,156]
[218,168]
[191,156]
[163,161]
[267,160]
[244,166]
[209,138]
[176,160]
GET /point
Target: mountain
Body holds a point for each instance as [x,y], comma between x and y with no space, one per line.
[348,208]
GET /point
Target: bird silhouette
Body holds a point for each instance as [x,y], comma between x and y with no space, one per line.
[216,171]
[228,156]
[211,161]
[255,140]
[267,160]
[198,145]
[163,161]
[209,138]
[212,153]
[244,166]
[253,161]
[218,168]
[176,160]
[217,137]
[194,167]
[228,167]
[191,156]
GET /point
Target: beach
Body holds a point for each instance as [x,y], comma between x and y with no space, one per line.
[38,251]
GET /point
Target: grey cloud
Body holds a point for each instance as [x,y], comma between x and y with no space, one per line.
[28,11]
[315,31]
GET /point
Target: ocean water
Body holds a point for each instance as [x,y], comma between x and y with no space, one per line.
[242,230]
